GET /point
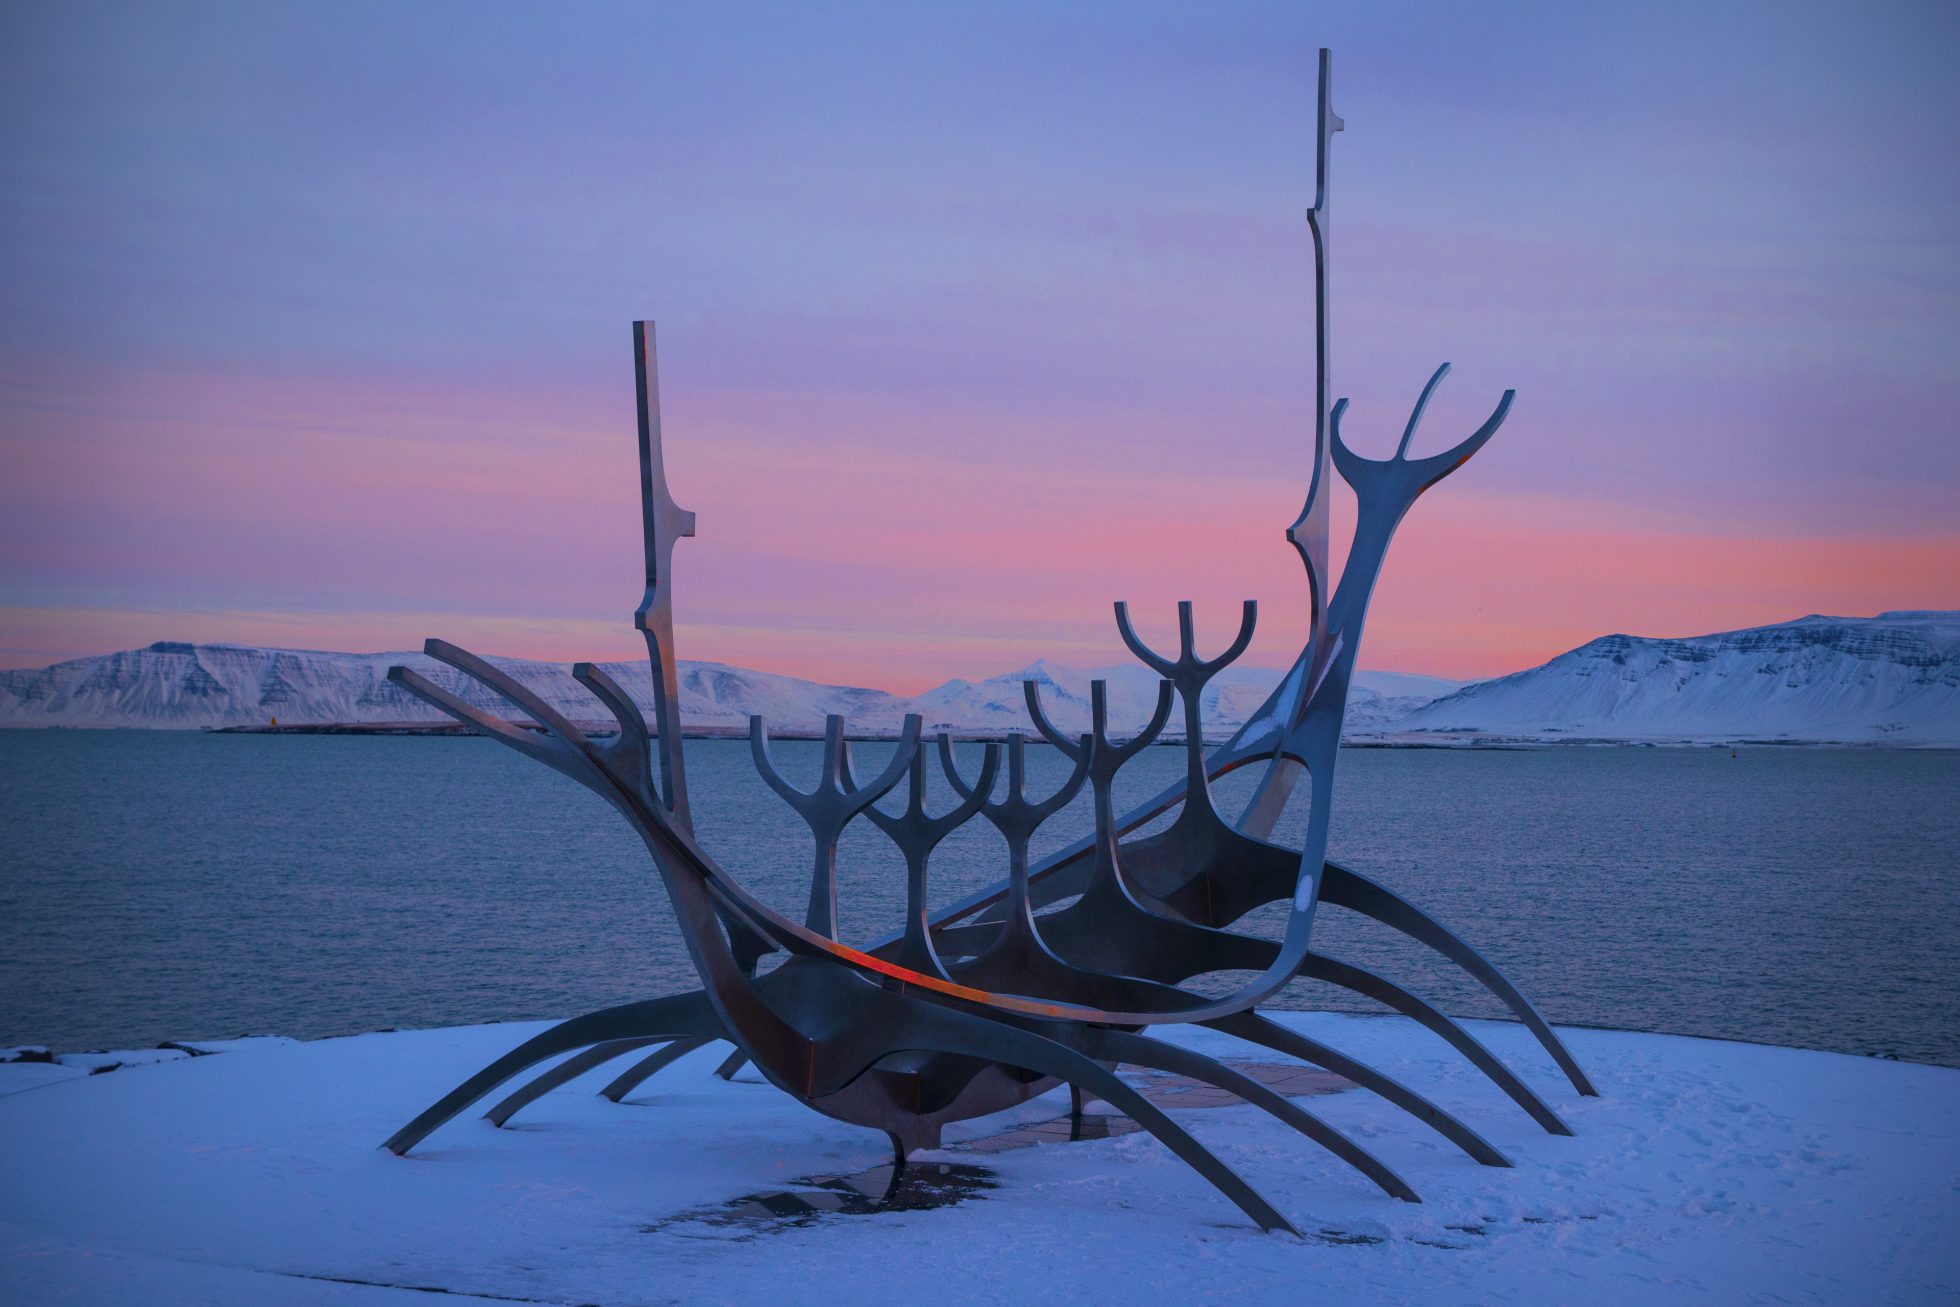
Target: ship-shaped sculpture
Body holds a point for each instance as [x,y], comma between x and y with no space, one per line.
[971,1008]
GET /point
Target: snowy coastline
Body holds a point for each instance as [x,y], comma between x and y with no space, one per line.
[1892,679]
[1707,1172]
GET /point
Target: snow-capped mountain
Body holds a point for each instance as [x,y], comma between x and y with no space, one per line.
[1893,678]
[171,685]
[1227,703]
[997,703]
[189,686]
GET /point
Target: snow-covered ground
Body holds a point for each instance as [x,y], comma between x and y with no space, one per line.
[1707,1172]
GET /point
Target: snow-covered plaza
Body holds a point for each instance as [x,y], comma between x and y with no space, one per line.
[1706,1172]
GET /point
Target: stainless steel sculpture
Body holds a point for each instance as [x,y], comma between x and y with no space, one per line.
[983,1004]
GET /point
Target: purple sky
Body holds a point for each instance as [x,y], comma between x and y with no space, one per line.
[972,318]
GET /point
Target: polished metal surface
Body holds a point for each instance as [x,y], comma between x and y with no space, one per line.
[974,1007]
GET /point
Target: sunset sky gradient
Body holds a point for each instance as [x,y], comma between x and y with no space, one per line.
[972,319]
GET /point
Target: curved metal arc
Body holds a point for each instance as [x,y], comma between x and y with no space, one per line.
[836,798]
[628,757]
[1159,718]
[1031,692]
[1015,1046]
[1456,456]
[644,1069]
[1415,414]
[1359,980]
[862,797]
[1248,623]
[1187,671]
[984,786]
[704,901]
[508,686]
[1149,657]
[542,749]
[564,1073]
[1257,1029]
[681,1014]
[765,766]
[981,791]
[1399,475]
[1015,814]
[1349,889]
[1136,1050]
[1062,797]
[619,703]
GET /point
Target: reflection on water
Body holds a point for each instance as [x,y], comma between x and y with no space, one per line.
[159,885]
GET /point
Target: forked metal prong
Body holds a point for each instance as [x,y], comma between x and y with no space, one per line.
[832,803]
[916,834]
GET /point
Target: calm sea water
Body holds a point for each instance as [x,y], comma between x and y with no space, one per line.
[176,886]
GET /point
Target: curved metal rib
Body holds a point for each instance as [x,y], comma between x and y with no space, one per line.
[956,1032]
[503,683]
[678,1015]
[647,1067]
[564,1073]
[1257,1029]
[734,1062]
[1318,966]
[1119,1046]
[1349,889]
[531,745]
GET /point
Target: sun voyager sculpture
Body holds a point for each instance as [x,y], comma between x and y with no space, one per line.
[976,1006]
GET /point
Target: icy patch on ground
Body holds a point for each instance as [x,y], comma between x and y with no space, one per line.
[1707,1172]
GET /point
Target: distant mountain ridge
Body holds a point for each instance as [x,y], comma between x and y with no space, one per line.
[179,686]
[1893,679]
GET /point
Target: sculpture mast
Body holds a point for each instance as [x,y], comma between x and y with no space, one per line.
[663,522]
[1309,532]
